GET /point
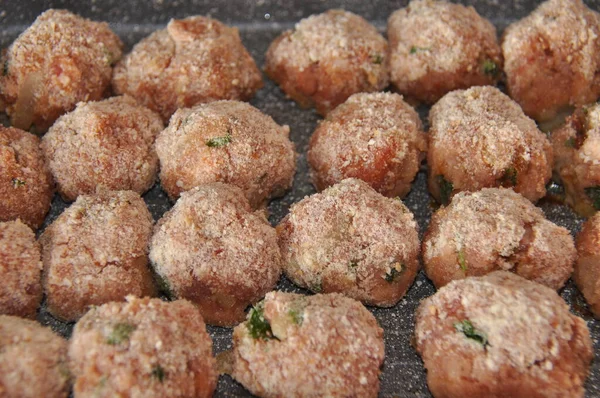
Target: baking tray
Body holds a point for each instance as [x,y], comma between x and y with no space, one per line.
[259,23]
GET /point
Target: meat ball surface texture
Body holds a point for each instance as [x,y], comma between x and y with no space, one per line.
[58,61]
[480,138]
[587,269]
[502,336]
[496,229]
[191,61]
[105,145]
[437,47]
[33,360]
[328,57]
[142,348]
[230,142]
[26,185]
[552,58]
[303,346]
[375,137]
[350,239]
[211,248]
[96,251]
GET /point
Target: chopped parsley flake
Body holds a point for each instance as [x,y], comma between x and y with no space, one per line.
[462,261]
[316,287]
[297,316]
[158,373]
[258,326]
[394,272]
[594,194]
[446,189]
[467,328]
[353,264]
[490,67]
[509,177]
[415,49]
[5,68]
[377,59]
[219,142]
[120,333]
[17,182]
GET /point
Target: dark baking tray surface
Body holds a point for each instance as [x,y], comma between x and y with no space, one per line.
[259,23]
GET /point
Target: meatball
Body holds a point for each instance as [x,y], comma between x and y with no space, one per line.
[193,60]
[437,47]
[33,360]
[142,348]
[375,137]
[230,142]
[496,229]
[587,269]
[307,346]
[105,145]
[214,250]
[480,138]
[552,58]
[502,336]
[352,240]
[96,251]
[58,61]
[327,58]
[26,185]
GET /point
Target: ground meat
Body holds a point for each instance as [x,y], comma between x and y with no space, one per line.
[376,137]
[306,346]
[328,57]
[193,60]
[350,239]
[587,269]
[502,336]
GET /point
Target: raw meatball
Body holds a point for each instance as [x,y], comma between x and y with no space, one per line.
[26,185]
[496,229]
[105,145]
[308,346]
[96,251]
[552,58]
[58,61]
[193,60]
[350,239]
[376,137]
[212,249]
[327,58]
[502,336]
[33,360]
[142,348]
[437,47]
[230,142]
[480,138]
[587,269]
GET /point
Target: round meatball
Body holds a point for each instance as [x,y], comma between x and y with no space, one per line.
[327,58]
[587,269]
[26,185]
[375,137]
[480,138]
[352,240]
[230,142]
[33,360]
[214,250]
[142,348]
[552,58]
[437,47]
[106,145]
[96,251]
[496,229]
[303,346]
[193,60]
[58,61]
[502,336]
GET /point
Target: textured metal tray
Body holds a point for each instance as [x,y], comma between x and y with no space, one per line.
[259,23]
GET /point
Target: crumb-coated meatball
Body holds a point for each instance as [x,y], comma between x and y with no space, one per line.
[328,57]
[375,137]
[230,142]
[352,240]
[481,138]
[107,145]
[58,61]
[33,360]
[214,250]
[96,251]
[496,229]
[26,185]
[587,269]
[502,336]
[552,58]
[437,47]
[20,270]
[307,346]
[142,348]
[191,61]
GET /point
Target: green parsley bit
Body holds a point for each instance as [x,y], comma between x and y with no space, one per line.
[446,189]
[570,143]
[415,49]
[316,287]
[467,328]
[297,316]
[120,333]
[490,67]
[219,142]
[5,68]
[509,177]
[462,261]
[353,264]
[394,272]
[258,326]
[377,59]
[158,373]
[163,285]
[594,194]
[17,182]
